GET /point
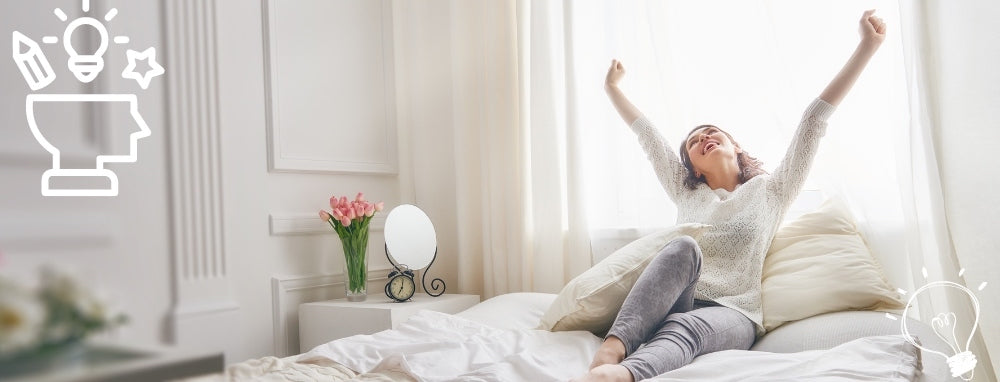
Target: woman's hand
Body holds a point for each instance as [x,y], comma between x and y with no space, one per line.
[615,74]
[626,109]
[872,28]
[872,34]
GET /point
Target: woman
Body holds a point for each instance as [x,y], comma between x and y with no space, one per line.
[700,297]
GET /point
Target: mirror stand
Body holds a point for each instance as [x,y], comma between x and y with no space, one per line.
[435,283]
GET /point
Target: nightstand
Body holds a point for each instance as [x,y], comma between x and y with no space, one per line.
[324,321]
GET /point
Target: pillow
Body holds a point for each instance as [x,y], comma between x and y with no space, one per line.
[819,263]
[519,310]
[591,300]
[828,330]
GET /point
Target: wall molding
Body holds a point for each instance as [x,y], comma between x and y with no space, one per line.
[195,165]
[278,159]
[310,224]
[200,283]
[72,231]
[287,292]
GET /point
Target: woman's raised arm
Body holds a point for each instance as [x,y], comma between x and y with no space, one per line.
[666,164]
[872,31]
[626,109]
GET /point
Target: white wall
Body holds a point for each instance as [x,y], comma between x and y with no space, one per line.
[119,245]
[273,273]
[965,93]
[127,244]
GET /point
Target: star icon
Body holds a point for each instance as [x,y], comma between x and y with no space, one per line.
[154,68]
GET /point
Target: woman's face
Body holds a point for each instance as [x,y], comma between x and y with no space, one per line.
[709,149]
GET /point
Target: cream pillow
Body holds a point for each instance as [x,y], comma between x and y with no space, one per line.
[819,263]
[591,300]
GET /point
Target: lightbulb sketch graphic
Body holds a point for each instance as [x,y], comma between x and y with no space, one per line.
[961,361]
[85,65]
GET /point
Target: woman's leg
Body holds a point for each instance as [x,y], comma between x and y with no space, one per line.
[687,335]
[666,286]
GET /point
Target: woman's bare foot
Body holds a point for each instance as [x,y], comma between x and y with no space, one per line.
[611,352]
[606,373]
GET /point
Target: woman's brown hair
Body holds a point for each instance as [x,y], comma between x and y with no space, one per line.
[749,166]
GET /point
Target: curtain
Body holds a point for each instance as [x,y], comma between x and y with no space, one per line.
[521,220]
[544,163]
[750,67]
[928,238]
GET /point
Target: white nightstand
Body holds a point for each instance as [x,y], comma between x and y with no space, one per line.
[325,321]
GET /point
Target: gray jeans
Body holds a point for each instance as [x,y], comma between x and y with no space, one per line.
[661,324]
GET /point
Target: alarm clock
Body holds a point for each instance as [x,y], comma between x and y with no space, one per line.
[400,286]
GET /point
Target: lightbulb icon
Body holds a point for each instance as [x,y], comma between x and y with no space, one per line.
[961,361]
[86,67]
[37,72]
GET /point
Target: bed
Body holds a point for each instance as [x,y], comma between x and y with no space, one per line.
[497,340]
[828,311]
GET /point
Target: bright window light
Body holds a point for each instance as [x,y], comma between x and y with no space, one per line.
[750,67]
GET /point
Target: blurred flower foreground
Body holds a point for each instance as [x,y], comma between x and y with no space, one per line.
[60,313]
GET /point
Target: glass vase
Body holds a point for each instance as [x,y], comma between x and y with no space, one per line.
[356,265]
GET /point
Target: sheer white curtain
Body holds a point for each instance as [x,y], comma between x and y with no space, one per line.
[543,160]
[751,67]
[521,220]
[929,241]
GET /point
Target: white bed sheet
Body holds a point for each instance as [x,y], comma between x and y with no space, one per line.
[433,346]
[822,332]
[880,358]
[496,341]
[826,331]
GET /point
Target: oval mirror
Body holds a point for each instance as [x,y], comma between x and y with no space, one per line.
[410,237]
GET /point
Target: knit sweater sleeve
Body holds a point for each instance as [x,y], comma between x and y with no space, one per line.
[666,163]
[787,180]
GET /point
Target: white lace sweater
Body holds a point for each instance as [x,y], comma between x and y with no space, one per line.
[743,221]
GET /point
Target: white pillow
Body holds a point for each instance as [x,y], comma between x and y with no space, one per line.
[819,263]
[591,300]
[519,310]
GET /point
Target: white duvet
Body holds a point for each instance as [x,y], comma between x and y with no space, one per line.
[881,358]
[434,346]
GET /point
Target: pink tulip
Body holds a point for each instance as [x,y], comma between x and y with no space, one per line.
[350,214]
[343,201]
[379,206]
[333,201]
[324,215]
[370,211]
[344,221]
[360,198]
[337,214]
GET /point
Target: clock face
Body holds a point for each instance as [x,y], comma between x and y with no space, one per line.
[401,288]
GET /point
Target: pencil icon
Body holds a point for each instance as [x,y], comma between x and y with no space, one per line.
[34,67]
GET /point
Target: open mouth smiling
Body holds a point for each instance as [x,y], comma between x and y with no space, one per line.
[709,146]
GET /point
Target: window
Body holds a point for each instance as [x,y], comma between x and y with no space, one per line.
[750,68]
